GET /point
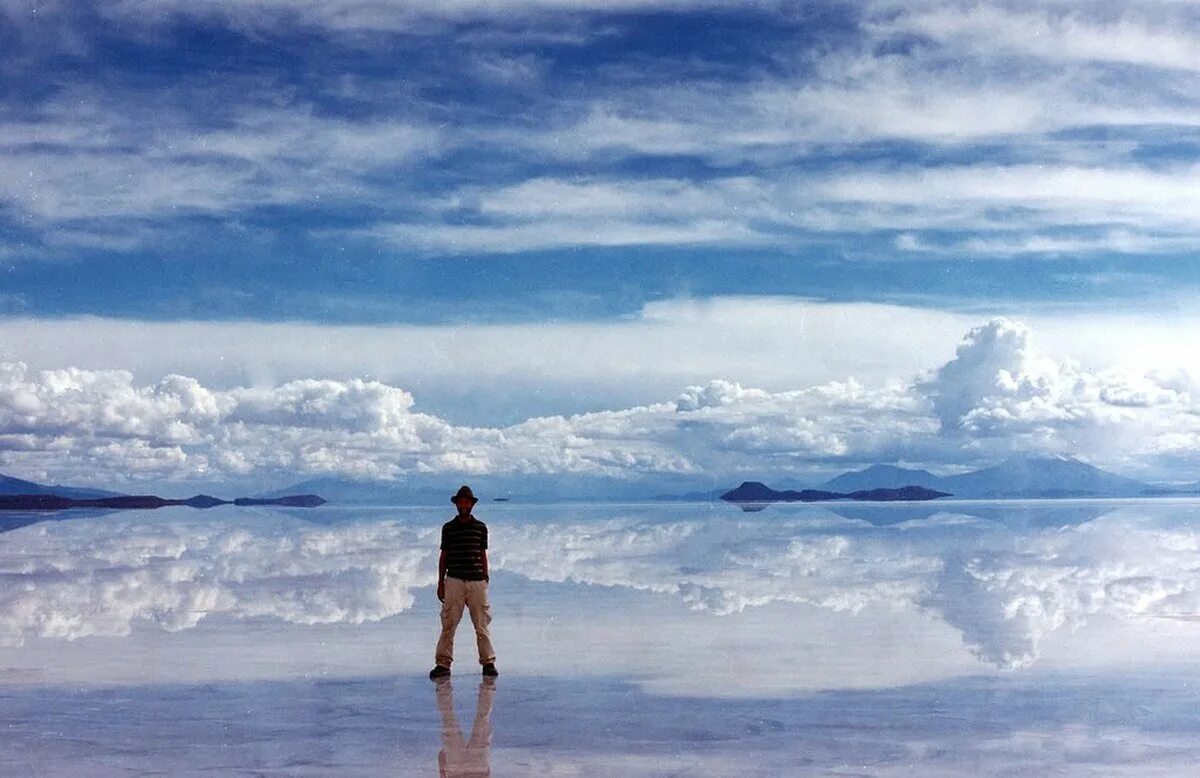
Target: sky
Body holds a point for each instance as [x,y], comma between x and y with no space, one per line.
[654,241]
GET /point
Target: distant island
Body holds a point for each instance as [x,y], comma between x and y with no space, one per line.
[1018,477]
[54,502]
[754,491]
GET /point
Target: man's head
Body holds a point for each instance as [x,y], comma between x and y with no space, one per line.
[464,500]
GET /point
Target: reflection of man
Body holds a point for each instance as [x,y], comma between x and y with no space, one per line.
[463,582]
[466,758]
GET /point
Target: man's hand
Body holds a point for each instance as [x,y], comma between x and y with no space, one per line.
[441,590]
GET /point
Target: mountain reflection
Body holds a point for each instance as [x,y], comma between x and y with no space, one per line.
[11,520]
[1013,513]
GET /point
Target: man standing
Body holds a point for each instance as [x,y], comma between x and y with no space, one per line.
[463,582]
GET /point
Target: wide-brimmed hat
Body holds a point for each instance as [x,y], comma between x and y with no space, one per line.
[465,491]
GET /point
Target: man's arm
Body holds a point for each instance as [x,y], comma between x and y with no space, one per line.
[483,545]
[441,587]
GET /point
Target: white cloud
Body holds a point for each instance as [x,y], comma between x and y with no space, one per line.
[945,97]
[1125,209]
[1013,197]
[1000,393]
[86,162]
[375,15]
[1001,244]
[1000,386]
[773,343]
[101,420]
[1150,34]
[855,95]
[550,234]
[88,157]
[547,213]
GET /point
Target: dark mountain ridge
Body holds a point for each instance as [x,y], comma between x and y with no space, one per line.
[19,494]
[54,502]
[1025,476]
[11,485]
[755,491]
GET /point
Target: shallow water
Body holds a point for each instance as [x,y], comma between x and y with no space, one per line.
[692,639]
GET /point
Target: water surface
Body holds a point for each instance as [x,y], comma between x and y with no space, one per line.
[692,639]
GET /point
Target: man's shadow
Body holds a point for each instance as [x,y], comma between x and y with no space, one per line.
[461,758]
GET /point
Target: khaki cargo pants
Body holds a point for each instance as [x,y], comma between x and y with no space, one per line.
[473,595]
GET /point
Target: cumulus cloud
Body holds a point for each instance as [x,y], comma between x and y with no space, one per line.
[1001,386]
[993,360]
[999,394]
[177,428]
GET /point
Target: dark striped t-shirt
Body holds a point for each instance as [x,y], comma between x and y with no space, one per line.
[464,543]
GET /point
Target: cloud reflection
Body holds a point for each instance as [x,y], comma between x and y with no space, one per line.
[74,579]
[1005,583]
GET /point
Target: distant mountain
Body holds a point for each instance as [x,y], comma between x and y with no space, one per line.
[54,502]
[436,489]
[755,491]
[900,494]
[1041,476]
[1173,489]
[1021,476]
[1027,476]
[881,477]
[289,500]
[347,491]
[10,485]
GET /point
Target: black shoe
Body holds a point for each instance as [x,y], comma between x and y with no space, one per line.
[438,672]
[489,670]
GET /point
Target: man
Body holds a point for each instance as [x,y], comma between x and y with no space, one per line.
[463,582]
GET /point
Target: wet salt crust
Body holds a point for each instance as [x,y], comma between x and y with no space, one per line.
[957,637]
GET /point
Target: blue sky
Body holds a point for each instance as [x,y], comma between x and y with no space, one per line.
[261,160]
[545,168]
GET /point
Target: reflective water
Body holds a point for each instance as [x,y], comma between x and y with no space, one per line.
[691,639]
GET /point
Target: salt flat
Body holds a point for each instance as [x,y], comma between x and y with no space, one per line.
[690,639]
